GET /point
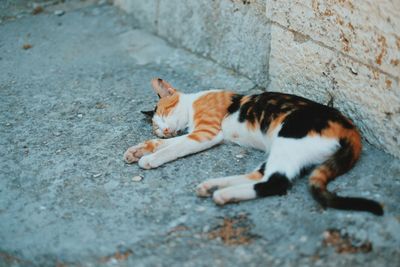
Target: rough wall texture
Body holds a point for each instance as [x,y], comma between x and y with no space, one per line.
[232,33]
[343,51]
[347,51]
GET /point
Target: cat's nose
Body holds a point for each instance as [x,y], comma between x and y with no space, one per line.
[166,131]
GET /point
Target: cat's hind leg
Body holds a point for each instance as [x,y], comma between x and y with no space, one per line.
[288,156]
[276,184]
[206,188]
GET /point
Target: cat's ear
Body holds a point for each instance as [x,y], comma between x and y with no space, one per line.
[149,113]
[162,88]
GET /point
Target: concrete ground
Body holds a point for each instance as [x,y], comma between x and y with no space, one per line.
[69,107]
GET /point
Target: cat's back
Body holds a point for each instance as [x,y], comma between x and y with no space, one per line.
[270,114]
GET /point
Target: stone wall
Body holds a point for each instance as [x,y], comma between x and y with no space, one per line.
[343,51]
[347,51]
[233,33]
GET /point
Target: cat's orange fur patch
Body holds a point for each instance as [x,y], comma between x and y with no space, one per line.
[256,176]
[338,131]
[320,177]
[245,99]
[209,111]
[355,139]
[167,104]
[252,125]
[151,145]
[275,123]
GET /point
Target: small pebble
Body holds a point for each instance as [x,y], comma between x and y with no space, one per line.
[38,9]
[206,229]
[59,12]
[97,175]
[80,115]
[303,239]
[137,178]
[113,261]
[27,46]
[200,209]
[240,156]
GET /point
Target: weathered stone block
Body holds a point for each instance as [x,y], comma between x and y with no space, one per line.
[233,33]
[309,69]
[188,24]
[241,38]
[367,31]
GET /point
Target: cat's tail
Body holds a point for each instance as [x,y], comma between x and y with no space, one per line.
[340,162]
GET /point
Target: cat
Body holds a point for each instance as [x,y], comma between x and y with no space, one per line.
[296,134]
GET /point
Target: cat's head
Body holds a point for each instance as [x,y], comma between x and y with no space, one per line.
[167,121]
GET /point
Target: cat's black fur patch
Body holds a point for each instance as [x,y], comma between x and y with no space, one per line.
[313,117]
[304,115]
[328,199]
[271,104]
[235,105]
[148,113]
[262,168]
[277,184]
[342,159]
[306,170]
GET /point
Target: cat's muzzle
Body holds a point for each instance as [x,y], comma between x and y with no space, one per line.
[164,133]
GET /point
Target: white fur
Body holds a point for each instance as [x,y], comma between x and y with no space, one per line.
[203,189]
[234,194]
[288,156]
[238,133]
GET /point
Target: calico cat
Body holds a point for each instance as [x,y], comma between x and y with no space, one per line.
[296,133]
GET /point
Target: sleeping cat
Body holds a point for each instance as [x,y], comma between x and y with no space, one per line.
[296,134]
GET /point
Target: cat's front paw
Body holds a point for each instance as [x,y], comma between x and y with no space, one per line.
[148,162]
[134,153]
[203,189]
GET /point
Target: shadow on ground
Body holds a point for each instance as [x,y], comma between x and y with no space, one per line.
[71,91]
